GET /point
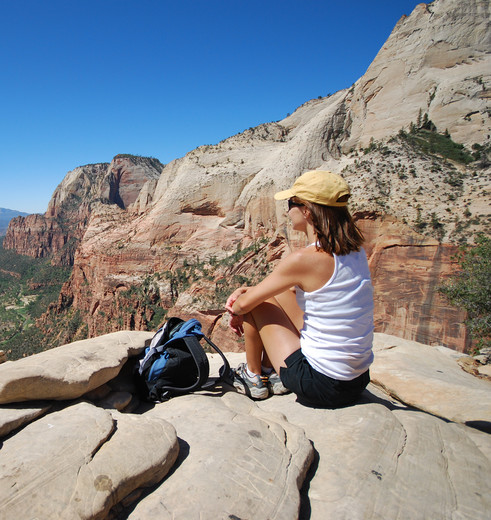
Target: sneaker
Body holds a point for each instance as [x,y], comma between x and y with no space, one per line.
[255,387]
[276,386]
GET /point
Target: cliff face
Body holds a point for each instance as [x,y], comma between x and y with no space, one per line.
[125,289]
[58,232]
[407,268]
[6,215]
[35,235]
[437,61]
[182,238]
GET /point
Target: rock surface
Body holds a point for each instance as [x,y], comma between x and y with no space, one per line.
[384,461]
[13,416]
[424,377]
[69,371]
[81,461]
[378,459]
[244,463]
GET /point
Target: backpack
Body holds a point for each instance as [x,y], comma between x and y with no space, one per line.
[175,363]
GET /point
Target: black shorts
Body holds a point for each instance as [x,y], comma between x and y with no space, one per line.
[316,389]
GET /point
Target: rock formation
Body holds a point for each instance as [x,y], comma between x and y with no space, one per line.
[57,233]
[6,215]
[144,231]
[413,447]
[436,60]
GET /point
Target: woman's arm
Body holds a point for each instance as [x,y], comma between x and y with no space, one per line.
[288,273]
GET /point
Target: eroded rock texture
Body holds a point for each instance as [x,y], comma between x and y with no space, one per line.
[405,450]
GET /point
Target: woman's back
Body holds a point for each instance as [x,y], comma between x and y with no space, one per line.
[337,334]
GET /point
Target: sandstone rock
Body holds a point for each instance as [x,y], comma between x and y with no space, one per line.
[431,62]
[379,461]
[115,400]
[380,458]
[72,203]
[13,416]
[485,370]
[244,463]
[474,367]
[425,377]
[126,176]
[69,371]
[98,393]
[35,235]
[133,406]
[78,185]
[406,303]
[81,461]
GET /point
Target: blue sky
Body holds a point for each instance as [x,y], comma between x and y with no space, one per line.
[84,80]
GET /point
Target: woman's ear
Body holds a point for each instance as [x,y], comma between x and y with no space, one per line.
[306,213]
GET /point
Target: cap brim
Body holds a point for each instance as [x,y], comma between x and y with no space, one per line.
[282,195]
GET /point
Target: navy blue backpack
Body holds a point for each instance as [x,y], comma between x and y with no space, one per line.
[175,363]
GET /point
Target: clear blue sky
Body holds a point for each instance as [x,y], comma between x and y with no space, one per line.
[84,80]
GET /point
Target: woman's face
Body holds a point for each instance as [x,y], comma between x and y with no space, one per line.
[296,212]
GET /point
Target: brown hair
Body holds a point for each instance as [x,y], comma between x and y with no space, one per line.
[335,228]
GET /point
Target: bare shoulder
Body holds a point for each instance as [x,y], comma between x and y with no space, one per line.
[297,259]
[314,267]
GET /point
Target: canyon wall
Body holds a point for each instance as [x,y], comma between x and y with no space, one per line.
[407,269]
[436,60]
[58,232]
[151,239]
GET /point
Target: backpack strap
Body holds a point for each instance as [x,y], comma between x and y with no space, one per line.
[189,332]
[223,373]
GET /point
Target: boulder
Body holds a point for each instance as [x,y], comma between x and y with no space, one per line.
[14,416]
[81,461]
[425,377]
[69,371]
[115,400]
[235,462]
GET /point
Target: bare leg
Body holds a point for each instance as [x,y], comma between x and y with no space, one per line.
[271,332]
[253,345]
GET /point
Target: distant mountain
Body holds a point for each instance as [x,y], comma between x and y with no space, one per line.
[6,215]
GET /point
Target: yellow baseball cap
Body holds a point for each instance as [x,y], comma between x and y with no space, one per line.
[319,186]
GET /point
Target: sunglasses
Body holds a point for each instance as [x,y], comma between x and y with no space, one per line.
[293,204]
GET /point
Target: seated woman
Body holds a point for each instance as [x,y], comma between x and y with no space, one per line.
[308,326]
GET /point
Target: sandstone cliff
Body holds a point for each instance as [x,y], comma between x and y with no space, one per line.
[6,215]
[438,61]
[179,239]
[58,232]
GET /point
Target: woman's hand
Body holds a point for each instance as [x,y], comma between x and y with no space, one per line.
[236,322]
[233,297]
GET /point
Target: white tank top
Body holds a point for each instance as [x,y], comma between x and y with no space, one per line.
[337,333]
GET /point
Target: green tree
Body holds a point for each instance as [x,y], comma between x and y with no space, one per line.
[470,289]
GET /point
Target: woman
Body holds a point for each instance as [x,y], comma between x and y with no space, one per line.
[308,326]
